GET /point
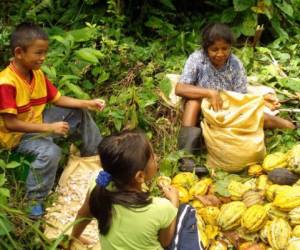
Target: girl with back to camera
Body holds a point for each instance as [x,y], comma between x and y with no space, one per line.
[206,72]
[128,217]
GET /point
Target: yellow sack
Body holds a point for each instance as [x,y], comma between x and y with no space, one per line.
[234,136]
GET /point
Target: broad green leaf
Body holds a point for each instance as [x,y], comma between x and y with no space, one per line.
[2,179]
[4,192]
[102,77]
[249,24]
[87,55]
[13,164]
[50,71]
[241,5]
[165,86]
[79,93]
[154,22]
[2,163]
[247,55]
[222,188]
[67,41]
[118,124]
[5,225]
[66,78]
[168,3]
[277,27]
[285,7]
[228,15]
[82,35]
[290,83]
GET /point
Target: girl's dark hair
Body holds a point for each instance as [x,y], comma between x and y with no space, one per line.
[216,31]
[24,34]
[122,155]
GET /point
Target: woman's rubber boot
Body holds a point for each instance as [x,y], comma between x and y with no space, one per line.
[189,140]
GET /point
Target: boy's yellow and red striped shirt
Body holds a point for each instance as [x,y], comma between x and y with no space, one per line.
[25,100]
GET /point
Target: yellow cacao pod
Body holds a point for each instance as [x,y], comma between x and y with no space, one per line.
[273,190]
[218,245]
[200,222]
[275,160]
[296,231]
[203,237]
[279,232]
[274,213]
[263,233]
[270,192]
[294,159]
[251,198]
[252,246]
[211,231]
[209,214]
[287,199]
[196,204]
[183,194]
[184,179]
[294,216]
[255,170]
[254,218]
[231,214]
[199,188]
[262,182]
[237,190]
[294,244]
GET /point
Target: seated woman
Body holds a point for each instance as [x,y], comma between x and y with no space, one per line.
[205,73]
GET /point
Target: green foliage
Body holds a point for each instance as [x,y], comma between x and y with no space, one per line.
[120,51]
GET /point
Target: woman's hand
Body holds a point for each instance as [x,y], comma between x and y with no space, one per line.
[215,99]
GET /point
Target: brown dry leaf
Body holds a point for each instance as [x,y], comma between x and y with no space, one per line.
[233,237]
[224,199]
[209,200]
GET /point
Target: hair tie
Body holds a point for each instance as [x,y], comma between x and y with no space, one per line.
[103,178]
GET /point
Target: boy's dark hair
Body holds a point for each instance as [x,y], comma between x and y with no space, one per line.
[24,34]
[122,156]
[216,31]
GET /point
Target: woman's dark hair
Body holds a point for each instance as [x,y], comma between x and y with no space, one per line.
[215,31]
[122,156]
[24,34]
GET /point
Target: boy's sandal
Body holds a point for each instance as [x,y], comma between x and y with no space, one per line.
[36,211]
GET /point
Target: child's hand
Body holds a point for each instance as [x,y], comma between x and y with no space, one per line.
[61,128]
[216,100]
[96,104]
[171,194]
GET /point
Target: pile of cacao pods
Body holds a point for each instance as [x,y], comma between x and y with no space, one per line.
[262,213]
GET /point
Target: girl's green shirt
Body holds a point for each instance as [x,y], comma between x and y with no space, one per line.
[136,229]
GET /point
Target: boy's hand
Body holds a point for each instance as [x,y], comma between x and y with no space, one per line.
[96,104]
[61,128]
[171,194]
[215,99]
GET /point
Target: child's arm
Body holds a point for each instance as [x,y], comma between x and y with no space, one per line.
[69,102]
[12,123]
[83,212]
[166,235]
[193,92]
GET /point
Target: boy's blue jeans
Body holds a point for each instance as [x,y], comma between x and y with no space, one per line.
[47,154]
